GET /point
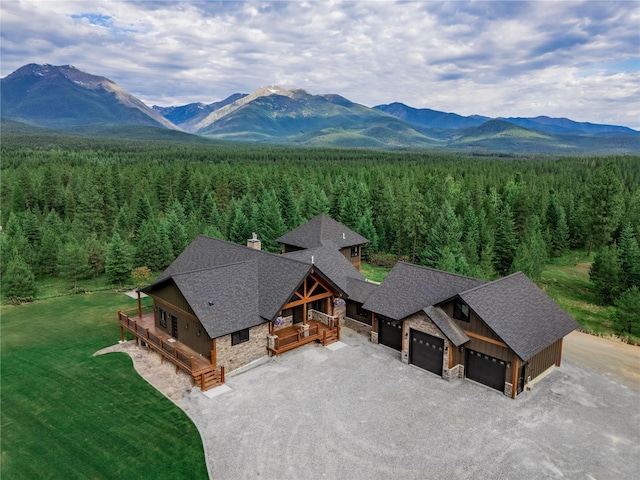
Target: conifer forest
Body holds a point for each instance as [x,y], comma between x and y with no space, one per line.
[77,208]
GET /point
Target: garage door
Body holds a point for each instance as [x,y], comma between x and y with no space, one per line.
[425,351]
[390,334]
[487,370]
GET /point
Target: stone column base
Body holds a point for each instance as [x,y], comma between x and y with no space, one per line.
[374,337]
[404,356]
[271,341]
[305,330]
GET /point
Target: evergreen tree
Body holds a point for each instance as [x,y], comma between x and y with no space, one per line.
[365,228]
[531,254]
[606,274]
[166,248]
[96,255]
[118,263]
[188,204]
[144,213]
[149,248]
[268,221]
[506,241]
[471,236]
[176,232]
[211,217]
[288,205]
[603,204]
[443,242]
[19,283]
[629,252]
[239,225]
[50,245]
[73,263]
[627,316]
[90,208]
[558,229]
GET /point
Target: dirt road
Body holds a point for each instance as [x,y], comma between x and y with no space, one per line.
[610,357]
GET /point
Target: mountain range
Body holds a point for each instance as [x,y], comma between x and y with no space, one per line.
[65,98]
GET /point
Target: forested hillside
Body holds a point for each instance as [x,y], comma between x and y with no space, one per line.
[93,206]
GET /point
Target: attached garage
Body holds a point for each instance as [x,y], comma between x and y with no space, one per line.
[425,351]
[390,333]
[489,371]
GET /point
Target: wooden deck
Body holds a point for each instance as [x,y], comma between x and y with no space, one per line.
[204,374]
[294,336]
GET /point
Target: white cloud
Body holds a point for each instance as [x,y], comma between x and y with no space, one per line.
[571,59]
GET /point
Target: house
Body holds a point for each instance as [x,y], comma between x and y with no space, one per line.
[506,334]
[220,306]
[320,230]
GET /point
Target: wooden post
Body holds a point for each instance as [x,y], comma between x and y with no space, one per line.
[121,333]
[338,327]
[192,369]
[214,353]
[139,305]
[222,373]
[304,313]
[514,377]
[202,382]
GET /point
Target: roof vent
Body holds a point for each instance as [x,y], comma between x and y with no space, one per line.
[312,259]
[344,236]
[211,303]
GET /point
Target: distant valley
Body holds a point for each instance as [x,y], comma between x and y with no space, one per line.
[65,98]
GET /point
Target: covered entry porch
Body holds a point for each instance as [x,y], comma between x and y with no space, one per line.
[307,317]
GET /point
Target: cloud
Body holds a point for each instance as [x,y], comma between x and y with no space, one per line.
[571,59]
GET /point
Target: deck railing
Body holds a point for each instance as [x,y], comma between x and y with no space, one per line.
[205,375]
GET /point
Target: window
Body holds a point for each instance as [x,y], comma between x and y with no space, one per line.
[240,336]
[361,311]
[162,315]
[461,311]
[354,251]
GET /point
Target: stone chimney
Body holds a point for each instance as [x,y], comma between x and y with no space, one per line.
[253,242]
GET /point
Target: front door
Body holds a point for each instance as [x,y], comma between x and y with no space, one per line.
[174,327]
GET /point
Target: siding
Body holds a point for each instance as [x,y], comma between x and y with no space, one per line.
[352,312]
[190,331]
[543,360]
[171,294]
[355,261]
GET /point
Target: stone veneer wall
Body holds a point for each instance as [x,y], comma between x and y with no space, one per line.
[236,356]
[361,328]
[288,321]
[420,321]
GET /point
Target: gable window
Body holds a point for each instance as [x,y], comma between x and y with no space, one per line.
[240,336]
[461,311]
[354,251]
[162,316]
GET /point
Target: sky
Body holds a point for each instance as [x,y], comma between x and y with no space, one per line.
[574,59]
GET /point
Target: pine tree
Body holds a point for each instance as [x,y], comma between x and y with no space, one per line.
[19,283]
[627,316]
[50,245]
[96,255]
[143,213]
[531,254]
[443,247]
[166,248]
[268,221]
[506,242]
[288,205]
[603,204]
[629,252]
[73,263]
[239,225]
[471,236]
[176,232]
[365,228]
[118,263]
[606,274]
[558,229]
[149,248]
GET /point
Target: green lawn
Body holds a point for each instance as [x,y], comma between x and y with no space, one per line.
[372,272]
[67,414]
[566,280]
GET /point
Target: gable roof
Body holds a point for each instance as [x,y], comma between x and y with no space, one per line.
[447,326]
[319,230]
[359,290]
[521,314]
[409,288]
[249,286]
[328,259]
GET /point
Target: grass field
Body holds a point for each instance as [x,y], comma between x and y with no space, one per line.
[67,414]
[566,280]
[372,272]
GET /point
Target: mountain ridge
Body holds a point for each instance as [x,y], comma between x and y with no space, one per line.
[65,97]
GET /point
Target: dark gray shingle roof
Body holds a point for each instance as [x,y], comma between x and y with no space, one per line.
[521,314]
[214,295]
[197,273]
[408,288]
[330,262]
[447,326]
[320,229]
[359,290]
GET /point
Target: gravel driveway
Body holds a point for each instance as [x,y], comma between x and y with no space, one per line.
[359,413]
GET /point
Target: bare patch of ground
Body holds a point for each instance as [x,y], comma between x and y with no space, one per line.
[611,357]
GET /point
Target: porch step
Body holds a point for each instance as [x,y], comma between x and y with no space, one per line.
[208,380]
[331,337]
